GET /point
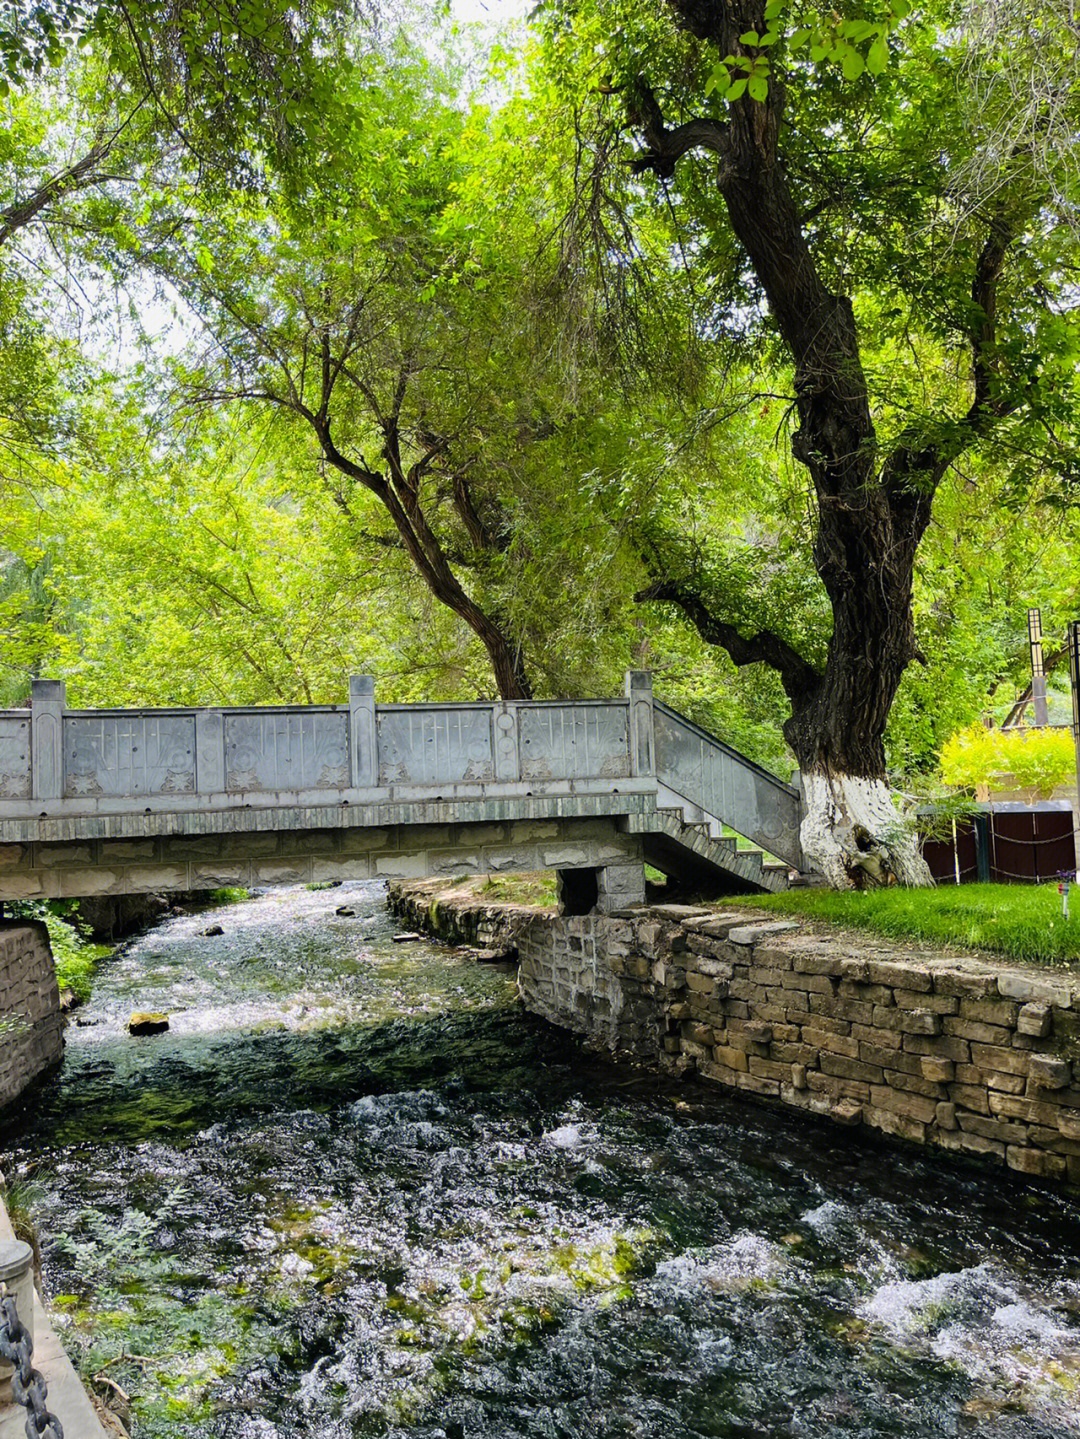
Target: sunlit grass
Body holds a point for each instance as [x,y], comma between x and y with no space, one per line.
[1024,922]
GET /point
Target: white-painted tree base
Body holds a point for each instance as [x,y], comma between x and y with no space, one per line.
[837,807]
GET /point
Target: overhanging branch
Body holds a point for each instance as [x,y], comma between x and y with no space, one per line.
[668,146]
[797,675]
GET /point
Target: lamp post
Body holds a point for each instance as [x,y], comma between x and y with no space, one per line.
[1038,673]
[1073,642]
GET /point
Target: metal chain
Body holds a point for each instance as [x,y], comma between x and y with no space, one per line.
[27,1385]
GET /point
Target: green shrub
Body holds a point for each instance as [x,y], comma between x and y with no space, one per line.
[74,952]
[1036,759]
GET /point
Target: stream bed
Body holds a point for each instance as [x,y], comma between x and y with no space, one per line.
[356,1191]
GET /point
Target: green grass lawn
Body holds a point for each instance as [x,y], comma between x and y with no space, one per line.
[1021,921]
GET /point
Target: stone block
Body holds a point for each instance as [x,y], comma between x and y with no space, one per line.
[1068,1123]
[901,1126]
[914,1106]
[1031,1111]
[730,1058]
[865,993]
[882,1038]
[1001,1012]
[944,1044]
[82,883]
[1046,1071]
[828,963]
[1035,1162]
[1035,1019]
[798,1076]
[774,956]
[1035,989]
[146,878]
[937,1069]
[970,1096]
[1005,1061]
[917,999]
[830,1043]
[769,1068]
[759,1032]
[945,1116]
[844,1068]
[1005,1083]
[897,975]
[965,983]
[751,933]
[914,1084]
[1008,1131]
[758,1085]
[976,1029]
[977,1144]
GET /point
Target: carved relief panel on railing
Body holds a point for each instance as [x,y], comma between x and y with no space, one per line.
[435,746]
[129,753]
[15,756]
[568,741]
[286,750]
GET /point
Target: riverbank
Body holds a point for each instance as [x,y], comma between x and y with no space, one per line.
[1022,923]
[957,1051]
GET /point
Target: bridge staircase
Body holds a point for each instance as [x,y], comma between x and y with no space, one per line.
[712,801]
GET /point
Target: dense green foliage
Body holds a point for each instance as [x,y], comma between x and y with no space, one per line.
[1024,922]
[222,365]
[74,952]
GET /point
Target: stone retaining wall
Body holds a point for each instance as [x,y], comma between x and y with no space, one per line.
[949,1050]
[460,917]
[31,1025]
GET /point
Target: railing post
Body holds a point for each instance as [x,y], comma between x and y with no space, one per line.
[47,700]
[363,735]
[507,739]
[642,743]
[17,1272]
[209,751]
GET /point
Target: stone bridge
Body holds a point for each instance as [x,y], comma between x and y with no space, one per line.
[99,802]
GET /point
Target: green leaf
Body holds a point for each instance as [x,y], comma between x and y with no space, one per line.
[750,38]
[798,38]
[877,57]
[737,90]
[853,65]
[758,87]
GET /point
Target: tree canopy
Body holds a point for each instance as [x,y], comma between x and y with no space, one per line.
[736,341]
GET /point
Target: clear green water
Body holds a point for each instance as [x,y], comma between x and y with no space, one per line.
[356,1191]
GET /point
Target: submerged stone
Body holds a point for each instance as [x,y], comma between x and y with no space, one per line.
[148,1023]
[212,930]
[407,937]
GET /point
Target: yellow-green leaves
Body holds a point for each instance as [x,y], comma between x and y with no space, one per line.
[857,46]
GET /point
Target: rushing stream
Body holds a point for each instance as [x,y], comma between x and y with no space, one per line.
[356,1191]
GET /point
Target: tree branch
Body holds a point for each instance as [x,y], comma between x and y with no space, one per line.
[667,147]
[797,675]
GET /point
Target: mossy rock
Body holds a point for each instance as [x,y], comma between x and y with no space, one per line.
[148,1023]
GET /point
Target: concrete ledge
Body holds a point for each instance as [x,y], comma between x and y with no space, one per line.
[68,1400]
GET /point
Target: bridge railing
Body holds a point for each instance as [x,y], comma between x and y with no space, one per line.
[727,786]
[79,760]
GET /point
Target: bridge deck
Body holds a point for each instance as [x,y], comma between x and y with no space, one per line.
[118,799]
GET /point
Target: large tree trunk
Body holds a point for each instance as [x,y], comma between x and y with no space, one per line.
[853,833]
[871,516]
